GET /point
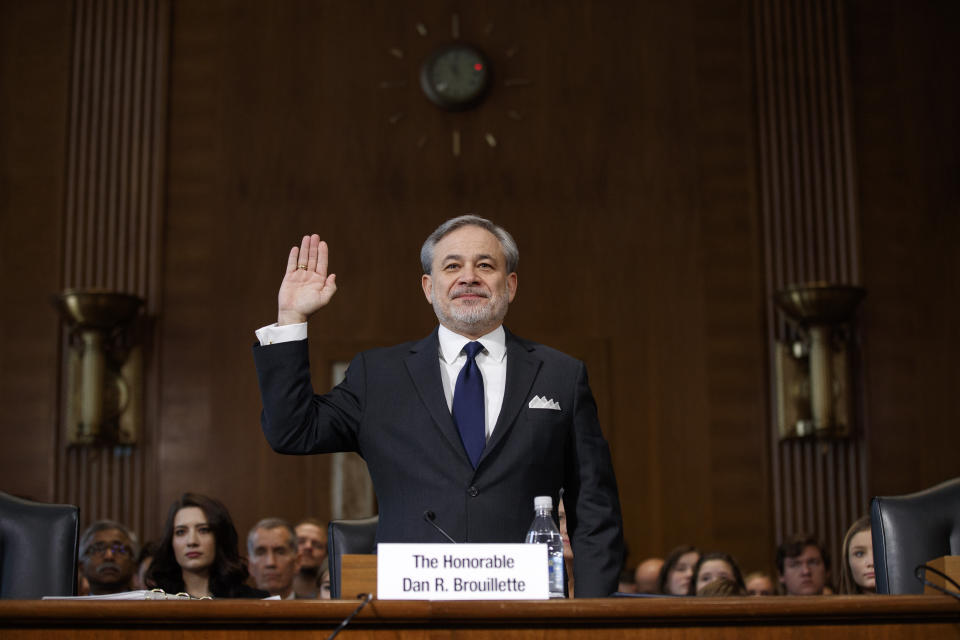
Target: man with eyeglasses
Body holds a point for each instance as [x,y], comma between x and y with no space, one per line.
[108,552]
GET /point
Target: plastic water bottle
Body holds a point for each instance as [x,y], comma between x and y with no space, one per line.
[544,531]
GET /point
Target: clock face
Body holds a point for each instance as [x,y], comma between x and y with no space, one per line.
[455,77]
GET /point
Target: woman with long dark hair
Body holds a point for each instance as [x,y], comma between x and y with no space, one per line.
[198,553]
[674,578]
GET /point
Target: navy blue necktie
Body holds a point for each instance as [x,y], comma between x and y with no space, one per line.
[468,407]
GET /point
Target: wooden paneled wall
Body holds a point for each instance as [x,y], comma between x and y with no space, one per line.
[907,134]
[112,221]
[35,39]
[664,167]
[810,234]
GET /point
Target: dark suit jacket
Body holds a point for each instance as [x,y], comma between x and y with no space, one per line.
[391,409]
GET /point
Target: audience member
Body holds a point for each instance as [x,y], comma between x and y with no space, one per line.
[721,588]
[713,566]
[144,560]
[856,572]
[760,583]
[804,566]
[272,554]
[646,574]
[311,553]
[324,581]
[674,578]
[107,552]
[198,553]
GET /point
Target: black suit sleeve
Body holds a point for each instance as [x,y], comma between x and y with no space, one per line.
[294,419]
[594,522]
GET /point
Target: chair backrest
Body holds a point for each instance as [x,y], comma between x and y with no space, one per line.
[348,536]
[38,548]
[911,530]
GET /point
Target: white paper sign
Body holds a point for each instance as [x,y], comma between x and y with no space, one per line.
[462,571]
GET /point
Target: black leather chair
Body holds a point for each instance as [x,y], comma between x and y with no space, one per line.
[348,536]
[38,548]
[911,530]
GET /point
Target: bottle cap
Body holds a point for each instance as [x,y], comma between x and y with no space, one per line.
[543,502]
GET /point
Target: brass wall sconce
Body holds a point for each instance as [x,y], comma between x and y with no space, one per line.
[104,369]
[813,372]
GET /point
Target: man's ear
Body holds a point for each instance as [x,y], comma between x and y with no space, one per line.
[511,286]
[427,283]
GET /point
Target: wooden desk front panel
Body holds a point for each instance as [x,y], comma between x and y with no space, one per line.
[874,617]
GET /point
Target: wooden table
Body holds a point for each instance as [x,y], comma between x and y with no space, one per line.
[874,617]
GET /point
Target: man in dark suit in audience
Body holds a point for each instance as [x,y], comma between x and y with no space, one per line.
[469,423]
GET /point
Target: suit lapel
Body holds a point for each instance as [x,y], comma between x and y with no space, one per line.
[522,368]
[424,367]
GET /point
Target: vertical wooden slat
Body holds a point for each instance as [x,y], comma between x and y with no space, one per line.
[826,172]
[112,208]
[807,193]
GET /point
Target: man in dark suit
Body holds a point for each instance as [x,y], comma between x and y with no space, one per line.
[470,423]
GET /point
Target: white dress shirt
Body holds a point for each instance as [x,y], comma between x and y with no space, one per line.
[492,362]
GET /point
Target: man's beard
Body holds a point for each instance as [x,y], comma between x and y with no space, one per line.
[486,313]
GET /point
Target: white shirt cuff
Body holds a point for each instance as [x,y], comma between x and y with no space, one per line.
[274,333]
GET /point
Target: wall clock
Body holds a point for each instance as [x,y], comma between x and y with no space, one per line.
[456,76]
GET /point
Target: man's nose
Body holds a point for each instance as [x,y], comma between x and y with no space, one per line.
[467,274]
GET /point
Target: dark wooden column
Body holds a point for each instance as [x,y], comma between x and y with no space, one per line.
[810,232]
[112,217]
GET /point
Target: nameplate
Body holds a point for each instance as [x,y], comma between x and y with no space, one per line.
[462,571]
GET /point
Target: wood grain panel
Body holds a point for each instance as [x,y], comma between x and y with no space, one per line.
[34,85]
[907,137]
[810,234]
[678,619]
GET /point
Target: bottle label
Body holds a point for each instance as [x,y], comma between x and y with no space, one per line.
[555,574]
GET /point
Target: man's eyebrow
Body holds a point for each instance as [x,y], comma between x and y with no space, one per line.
[459,258]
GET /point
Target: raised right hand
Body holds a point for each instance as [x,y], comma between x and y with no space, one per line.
[306,286]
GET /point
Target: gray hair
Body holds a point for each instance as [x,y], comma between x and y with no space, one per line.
[507,243]
[105,525]
[271,523]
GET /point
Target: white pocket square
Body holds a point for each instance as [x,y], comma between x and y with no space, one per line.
[544,403]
